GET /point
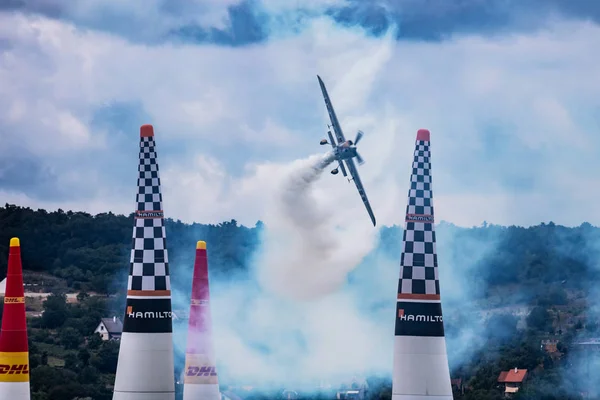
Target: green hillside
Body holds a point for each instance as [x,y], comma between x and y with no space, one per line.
[549,272]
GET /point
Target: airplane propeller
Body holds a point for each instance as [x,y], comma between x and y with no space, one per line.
[359,135]
[359,159]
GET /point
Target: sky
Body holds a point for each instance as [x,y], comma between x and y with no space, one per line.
[508,89]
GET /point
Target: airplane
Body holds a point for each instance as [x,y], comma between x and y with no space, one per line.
[345,151]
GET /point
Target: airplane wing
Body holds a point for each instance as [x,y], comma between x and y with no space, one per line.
[361,189]
[334,121]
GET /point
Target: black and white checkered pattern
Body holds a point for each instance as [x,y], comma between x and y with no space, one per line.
[418,272]
[149,259]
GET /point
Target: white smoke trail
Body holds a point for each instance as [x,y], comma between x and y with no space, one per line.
[303,253]
[264,336]
[296,204]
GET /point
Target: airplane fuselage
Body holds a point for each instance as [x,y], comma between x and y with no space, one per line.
[345,151]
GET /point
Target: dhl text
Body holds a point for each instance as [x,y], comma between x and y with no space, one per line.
[201,371]
[14,300]
[16,369]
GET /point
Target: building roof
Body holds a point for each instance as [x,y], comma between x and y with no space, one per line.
[113,325]
[513,376]
[511,389]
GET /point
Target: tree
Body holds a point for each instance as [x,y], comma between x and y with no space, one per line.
[591,327]
[70,338]
[502,326]
[71,362]
[95,341]
[89,375]
[84,357]
[106,359]
[34,361]
[55,311]
[39,396]
[539,319]
[81,296]
[67,391]
[555,296]
[44,378]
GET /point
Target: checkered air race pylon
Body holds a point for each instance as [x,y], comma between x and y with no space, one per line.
[14,352]
[145,367]
[420,361]
[201,380]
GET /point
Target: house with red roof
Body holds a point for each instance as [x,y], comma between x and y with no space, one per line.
[550,346]
[512,380]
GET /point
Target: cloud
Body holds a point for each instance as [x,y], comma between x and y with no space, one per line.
[511,118]
[243,22]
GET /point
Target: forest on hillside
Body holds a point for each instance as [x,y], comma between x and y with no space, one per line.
[89,251]
[551,269]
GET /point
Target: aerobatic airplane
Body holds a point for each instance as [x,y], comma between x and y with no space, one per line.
[345,151]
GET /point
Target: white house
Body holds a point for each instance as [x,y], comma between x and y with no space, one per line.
[110,328]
